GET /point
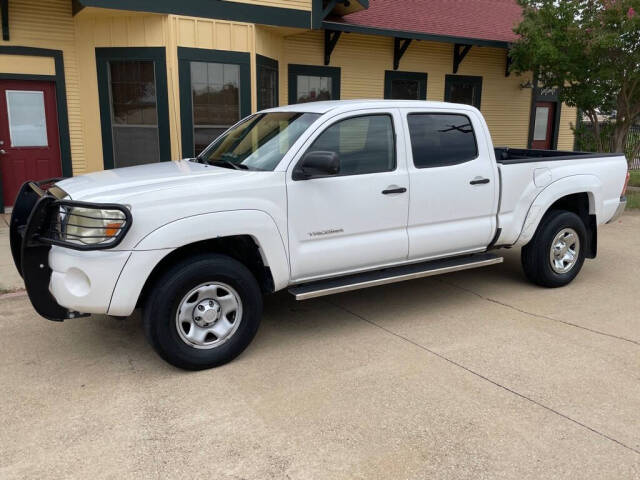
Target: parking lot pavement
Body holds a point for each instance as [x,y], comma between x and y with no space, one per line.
[472,375]
[9,278]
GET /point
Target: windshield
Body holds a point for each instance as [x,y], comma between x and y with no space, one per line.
[259,142]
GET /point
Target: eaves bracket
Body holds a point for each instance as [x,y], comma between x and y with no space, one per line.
[330,40]
[400,46]
[459,52]
[509,61]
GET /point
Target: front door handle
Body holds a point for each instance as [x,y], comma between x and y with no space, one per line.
[393,189]
[479,181]
[2,152]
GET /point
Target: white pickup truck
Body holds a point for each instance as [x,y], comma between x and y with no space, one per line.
[318,198]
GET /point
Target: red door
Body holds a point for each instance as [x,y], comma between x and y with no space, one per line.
[543,127]
[29,141]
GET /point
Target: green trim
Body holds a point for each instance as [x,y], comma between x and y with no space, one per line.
[223,10]
[347,27]
[313,70]
[390,75]
[61,95]
[271,64]
[5,20]
[318,9]
[155,54]
[188,55]
[449,80]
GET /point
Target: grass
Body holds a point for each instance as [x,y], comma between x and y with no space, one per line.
[634,181]
[633,199]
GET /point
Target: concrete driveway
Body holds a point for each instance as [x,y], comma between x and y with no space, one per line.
[471,375]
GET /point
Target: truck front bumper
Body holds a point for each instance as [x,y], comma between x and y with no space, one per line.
[61,282]
[621,206]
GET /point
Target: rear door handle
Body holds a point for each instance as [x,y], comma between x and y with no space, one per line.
[479,181]
[389,191]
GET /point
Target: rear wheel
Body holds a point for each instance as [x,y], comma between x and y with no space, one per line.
[203,312]
[556,253]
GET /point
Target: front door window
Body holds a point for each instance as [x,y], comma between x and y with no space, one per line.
[27,121]
[134,113]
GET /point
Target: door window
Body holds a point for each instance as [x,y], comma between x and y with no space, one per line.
[441,139]
[364,144]
[27,121]
[134,113]
[215,93]
[463,89]
[541,124]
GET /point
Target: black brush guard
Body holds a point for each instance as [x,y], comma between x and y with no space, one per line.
[31,236]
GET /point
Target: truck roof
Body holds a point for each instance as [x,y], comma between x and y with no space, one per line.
[326,106]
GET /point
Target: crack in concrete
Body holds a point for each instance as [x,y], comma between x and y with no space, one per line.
[487,379]
[537,315]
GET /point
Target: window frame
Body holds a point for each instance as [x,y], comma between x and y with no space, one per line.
[450,80]
[105,55]
[185,57]
[391,75]
[342,119]
[294,70]
[269,64]
[448,164]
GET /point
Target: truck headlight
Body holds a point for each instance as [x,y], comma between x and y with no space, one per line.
[92,226]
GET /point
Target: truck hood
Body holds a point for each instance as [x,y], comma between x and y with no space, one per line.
[122,183]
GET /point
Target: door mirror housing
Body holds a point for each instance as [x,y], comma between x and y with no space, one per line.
[316,165]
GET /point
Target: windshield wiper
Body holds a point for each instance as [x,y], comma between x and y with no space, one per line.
[228,164]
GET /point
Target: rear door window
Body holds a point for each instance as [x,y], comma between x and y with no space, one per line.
[439,139]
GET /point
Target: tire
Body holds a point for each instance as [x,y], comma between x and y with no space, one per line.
[189,317]
[545,268]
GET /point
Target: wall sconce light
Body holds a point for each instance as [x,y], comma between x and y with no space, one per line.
[527,84]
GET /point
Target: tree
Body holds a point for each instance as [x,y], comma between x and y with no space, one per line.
[590,51]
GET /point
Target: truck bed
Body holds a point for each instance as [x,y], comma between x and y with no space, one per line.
[508,156]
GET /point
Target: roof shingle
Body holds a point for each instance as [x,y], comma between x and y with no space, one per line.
[491,20]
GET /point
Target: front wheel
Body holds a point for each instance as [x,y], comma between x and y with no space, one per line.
[203,312]
[555,254]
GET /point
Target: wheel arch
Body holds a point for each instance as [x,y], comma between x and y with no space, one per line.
[580,194]
[249,236]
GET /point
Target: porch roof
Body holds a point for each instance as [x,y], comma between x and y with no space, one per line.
[474,22]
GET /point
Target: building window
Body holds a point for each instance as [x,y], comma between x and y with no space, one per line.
[214,95]
[405,85]
[132,87]
[463,89]
[312,84]
[267,78]
[441,139]
[365,144]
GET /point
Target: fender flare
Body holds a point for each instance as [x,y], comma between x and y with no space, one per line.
[256,223]
[589,184]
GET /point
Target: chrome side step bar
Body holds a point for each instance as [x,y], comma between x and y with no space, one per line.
[392,275]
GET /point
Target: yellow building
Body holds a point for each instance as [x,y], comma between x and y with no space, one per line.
[96,84]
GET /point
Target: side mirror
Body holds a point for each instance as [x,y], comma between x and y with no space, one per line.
[317,164]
